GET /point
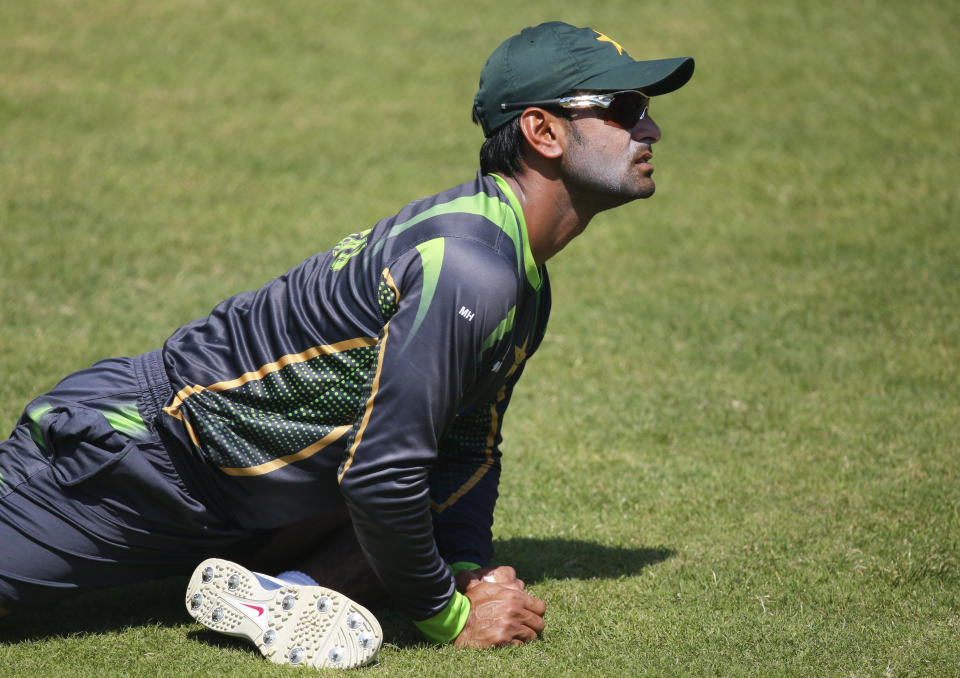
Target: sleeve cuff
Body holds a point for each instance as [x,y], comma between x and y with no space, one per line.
[462,565]
[449,622]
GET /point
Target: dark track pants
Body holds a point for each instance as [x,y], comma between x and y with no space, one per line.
[91,492]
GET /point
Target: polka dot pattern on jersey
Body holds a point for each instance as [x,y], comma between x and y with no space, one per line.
[285,411]
[387,300]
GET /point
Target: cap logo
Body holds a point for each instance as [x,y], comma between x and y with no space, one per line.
[602,38]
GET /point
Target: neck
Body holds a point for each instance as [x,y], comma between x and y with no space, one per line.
[552,218]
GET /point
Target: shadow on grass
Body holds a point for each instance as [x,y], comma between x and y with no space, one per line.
[160,603]
[153,603]
[539,559]
[536,560]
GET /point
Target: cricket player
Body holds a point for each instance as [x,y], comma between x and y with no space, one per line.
[343,421]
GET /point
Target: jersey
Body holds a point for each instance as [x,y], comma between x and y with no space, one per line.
[376,374]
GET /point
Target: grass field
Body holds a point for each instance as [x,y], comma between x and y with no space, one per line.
[738,450]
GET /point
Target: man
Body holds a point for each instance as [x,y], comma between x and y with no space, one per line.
[356,399]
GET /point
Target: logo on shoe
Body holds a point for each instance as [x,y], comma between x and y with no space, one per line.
[254,607]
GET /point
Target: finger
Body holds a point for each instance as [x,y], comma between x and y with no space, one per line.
[510,584]
[534,604]
[534,622]
[505,576]
[527,631]
[528,618]
[500,574]
[519,614]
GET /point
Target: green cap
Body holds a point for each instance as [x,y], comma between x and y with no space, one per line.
[553,59]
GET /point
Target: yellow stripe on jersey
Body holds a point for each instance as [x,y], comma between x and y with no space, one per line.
[280,462]
[368,411]
[173,409]
[484,467]
[290,359]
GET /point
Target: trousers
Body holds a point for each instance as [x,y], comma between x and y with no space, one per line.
[93,492]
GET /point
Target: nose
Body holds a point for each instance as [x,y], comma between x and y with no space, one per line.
[646,129]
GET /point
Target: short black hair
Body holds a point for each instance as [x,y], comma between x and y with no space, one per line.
[502,151]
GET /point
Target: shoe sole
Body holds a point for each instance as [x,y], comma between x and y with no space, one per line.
[293,624]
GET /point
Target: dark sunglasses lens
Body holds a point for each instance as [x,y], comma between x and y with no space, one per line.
[627,109]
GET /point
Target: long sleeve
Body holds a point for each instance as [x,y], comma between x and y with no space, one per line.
[464,480]
[449,296]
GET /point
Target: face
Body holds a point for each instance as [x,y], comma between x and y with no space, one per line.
[605,163]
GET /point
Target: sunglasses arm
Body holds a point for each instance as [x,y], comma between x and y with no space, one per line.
[579,101]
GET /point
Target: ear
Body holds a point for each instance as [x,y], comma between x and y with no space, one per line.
[544,131]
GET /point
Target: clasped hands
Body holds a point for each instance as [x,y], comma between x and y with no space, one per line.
[501,611]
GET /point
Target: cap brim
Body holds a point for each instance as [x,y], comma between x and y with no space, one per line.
[654,78]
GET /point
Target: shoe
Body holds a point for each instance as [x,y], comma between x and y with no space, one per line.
[289,623]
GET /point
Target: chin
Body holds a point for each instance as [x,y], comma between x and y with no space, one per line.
[646,191]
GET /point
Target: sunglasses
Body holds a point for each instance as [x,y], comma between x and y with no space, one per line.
[624,108]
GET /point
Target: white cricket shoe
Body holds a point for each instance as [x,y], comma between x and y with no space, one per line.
[289,623]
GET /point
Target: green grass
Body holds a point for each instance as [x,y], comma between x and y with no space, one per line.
[737,451]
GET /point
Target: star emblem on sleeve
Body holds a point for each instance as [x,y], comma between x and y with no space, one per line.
[519,355]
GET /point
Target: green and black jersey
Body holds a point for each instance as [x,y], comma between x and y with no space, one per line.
[375,374]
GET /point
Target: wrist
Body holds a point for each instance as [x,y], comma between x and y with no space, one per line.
[446,625]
